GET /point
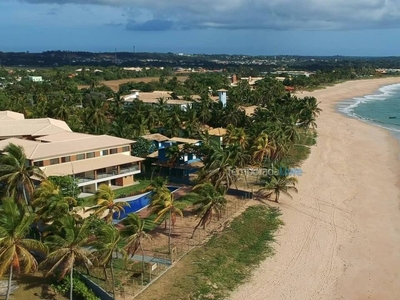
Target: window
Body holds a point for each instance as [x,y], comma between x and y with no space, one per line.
[90,155]
[80,156]
[126,149]
[54,161]
[38,163]
[113,151]
[104,152]
[65,159]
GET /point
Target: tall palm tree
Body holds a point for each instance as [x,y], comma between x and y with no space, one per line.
[134,235]
[108,243]
[163,205]
[207,202]
[105,203]
[218,166]
[15,248]
[49,203]
[17,174]
[261,148]
[281,184]
[68,244]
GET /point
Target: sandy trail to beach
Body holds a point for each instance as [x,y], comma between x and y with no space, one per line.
[341,238]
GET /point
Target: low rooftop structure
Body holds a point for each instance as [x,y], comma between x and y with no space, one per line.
[10,115]
[217,131]
[184,140]
[155,137]
[249,110]
[12,125]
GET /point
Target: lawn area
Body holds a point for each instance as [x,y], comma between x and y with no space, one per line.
[214,270]
[122,192]
[301,150]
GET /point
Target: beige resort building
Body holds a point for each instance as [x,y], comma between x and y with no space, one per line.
[51,145]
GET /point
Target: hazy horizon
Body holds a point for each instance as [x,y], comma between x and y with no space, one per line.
[285,27]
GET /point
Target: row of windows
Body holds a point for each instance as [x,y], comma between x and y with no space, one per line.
[81,156]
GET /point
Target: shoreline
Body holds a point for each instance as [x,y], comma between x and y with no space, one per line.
[342,230]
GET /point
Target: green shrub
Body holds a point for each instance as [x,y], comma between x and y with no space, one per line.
[80,290]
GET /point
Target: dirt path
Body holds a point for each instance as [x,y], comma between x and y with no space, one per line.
[342,234]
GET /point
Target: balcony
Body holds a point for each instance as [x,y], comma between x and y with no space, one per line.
[105,175]
[82,180]
[129,169]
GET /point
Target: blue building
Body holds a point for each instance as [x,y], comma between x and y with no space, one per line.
[182,169]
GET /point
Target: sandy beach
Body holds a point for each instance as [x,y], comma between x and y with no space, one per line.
[341,238]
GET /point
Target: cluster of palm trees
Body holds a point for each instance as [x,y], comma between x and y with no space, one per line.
[261,140]
[64,238]
[90,111]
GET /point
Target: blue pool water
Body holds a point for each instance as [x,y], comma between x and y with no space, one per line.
[137,203]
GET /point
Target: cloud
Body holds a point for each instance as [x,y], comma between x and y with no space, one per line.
[151,25]
[113,24]
[254,14]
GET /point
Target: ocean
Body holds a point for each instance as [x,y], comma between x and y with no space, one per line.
[381,109]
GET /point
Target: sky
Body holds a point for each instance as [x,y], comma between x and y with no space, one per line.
[253,27]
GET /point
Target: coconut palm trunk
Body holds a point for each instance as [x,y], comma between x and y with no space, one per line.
[71,278]
[25,196]
[105,273]
[169,233]
[112,277]
[141,249]
[9,282]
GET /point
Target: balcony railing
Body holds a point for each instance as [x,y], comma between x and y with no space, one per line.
[82,180]
[105,175]
[130,169]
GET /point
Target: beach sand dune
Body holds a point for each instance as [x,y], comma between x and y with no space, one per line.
[341,238]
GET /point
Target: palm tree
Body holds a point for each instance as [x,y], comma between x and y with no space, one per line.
[262,147]
[281,184]
[173,155]
[108,240]
[218,166]
[134,234]
[49,203]
[68,244]
[163,205]
[207,201]
[15,248]
[105,203]
[17,174]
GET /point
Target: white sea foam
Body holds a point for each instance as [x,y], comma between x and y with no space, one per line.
[347,106]
[384,92]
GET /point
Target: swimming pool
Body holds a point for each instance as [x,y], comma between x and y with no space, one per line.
[137,203]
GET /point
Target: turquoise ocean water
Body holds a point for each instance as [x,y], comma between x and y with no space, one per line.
[381,109]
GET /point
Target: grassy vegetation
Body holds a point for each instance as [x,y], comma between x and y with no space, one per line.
[213,271]
[126,273]
[301,150]
[122,192]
